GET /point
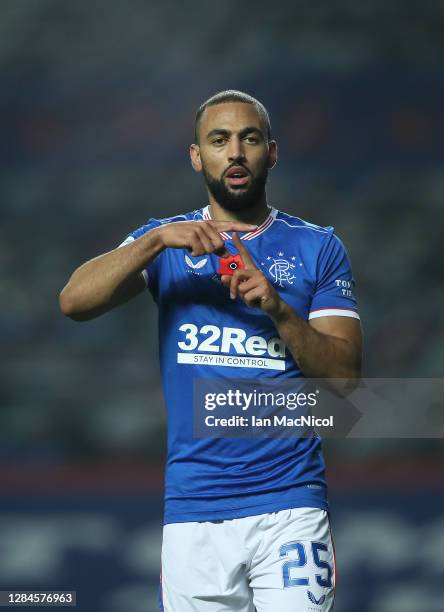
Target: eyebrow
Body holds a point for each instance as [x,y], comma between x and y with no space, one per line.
[244,132]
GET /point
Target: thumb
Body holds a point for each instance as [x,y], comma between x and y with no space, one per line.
[226,280]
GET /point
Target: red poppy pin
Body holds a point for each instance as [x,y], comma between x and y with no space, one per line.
[229,265]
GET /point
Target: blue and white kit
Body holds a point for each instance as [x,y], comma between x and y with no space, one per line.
[205,334]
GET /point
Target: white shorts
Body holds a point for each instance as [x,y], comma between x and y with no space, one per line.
[275,562]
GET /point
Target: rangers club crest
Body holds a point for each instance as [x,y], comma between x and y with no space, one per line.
[281,269]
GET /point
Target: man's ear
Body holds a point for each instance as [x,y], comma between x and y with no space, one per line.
[195,157]
[272,154]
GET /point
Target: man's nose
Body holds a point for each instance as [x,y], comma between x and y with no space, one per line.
[236,150]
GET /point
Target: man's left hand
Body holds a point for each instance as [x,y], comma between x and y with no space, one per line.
[251,285]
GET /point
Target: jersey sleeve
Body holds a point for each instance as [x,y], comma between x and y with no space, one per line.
[333,295]
[150,272]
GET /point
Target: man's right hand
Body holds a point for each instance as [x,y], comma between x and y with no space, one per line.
[200,237]
[115,277]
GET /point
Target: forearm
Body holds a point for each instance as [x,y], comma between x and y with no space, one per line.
[114,278]
[318,355]
[107,280]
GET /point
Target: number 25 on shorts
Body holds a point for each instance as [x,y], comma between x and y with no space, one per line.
[301,561]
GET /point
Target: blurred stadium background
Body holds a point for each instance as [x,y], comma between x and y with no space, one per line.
[97,106]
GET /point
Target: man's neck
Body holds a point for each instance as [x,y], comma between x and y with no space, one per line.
[255,215]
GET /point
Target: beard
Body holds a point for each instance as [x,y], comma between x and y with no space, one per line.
[242,198]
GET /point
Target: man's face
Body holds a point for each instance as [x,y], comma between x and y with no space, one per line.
[233,154]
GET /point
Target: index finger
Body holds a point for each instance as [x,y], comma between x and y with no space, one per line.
[232,226]
[245,255]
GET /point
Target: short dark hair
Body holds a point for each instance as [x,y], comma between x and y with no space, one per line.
[232,95]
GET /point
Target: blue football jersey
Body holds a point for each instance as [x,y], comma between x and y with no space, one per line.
[205,334]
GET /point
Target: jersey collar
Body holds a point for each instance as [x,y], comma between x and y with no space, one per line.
[249,235]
